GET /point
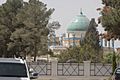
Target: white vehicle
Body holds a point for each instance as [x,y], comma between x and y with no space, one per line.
[116,74]
[13,69]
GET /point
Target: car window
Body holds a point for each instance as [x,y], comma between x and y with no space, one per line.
[117,71]
[12,70]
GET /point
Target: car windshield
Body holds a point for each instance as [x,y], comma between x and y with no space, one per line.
[12,70]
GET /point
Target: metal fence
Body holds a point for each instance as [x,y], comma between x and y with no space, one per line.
[40,68]
[70,69]
[100,69]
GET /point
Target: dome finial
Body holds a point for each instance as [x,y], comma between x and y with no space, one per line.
[81,11]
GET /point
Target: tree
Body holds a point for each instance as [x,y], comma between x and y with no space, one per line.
[110,18]
[8,12]
[71,53]
[33,33]
[91,44]
[52,27]
[108,58]
[23,27]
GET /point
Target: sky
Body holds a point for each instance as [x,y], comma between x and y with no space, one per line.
[66,10]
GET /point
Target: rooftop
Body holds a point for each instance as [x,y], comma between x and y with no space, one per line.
[11,60]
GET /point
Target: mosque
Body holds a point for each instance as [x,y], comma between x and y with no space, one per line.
[74,36]
[75,33]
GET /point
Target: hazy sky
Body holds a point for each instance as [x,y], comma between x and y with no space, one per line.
[66,10]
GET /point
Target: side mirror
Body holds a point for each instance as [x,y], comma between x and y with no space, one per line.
[33,75]
[30,70]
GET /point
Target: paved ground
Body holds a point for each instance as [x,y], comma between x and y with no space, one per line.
[71,78]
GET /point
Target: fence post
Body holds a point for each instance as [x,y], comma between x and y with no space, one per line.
[87,68]
[54,67]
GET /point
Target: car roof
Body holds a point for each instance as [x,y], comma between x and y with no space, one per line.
[11,60]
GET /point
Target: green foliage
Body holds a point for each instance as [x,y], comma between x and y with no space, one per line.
[112,3]
[110,18]
[117,58]
[91,43]
[25,26]
[107,58]
[70,53]
[34,17]
[114,64]
[8,12]
[50,53]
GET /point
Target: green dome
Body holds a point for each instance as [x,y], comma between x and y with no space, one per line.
[80,23]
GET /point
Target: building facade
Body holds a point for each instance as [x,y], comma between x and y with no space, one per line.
[76,30]
[74,34]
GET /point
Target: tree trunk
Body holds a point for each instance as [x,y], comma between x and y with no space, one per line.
[114,65]
[35,51]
